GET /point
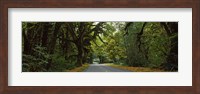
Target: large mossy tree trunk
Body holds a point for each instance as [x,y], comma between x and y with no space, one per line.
[173,54]
[27,43]
[80,54]
[52,43]
[45,30]
[78,37]
[172,58]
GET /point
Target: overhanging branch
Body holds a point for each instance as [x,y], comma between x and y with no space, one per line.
[140,34]
[101,40]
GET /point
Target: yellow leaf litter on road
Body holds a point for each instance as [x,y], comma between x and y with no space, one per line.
[136,69]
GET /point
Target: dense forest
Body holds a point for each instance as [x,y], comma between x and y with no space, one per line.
[60,46]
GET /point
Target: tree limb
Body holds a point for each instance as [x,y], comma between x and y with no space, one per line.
[139,35]
[95,43]
[101,40]
[126,28]
[72,32]
[166,28]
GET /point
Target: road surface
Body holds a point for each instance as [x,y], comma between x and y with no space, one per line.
[103,68]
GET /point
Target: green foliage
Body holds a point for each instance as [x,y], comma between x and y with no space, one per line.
[150,49]
[36,61]
[60,63]
[134,56]
[113,50]
[60,46]
[156,40]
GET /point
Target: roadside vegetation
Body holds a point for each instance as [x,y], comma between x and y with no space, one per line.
[136,69]
[72,46]
[79,69]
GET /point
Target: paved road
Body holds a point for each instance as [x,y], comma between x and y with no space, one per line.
[103,68]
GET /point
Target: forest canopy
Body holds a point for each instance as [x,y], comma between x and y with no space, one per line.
[61,46]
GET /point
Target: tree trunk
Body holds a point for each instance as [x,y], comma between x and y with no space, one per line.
[100,59]
[53,43]
[27,44]
[173,54]
[45,34]
[80,55]
[172,58]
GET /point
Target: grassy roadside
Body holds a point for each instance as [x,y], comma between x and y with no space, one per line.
[79,69]
[136,69]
